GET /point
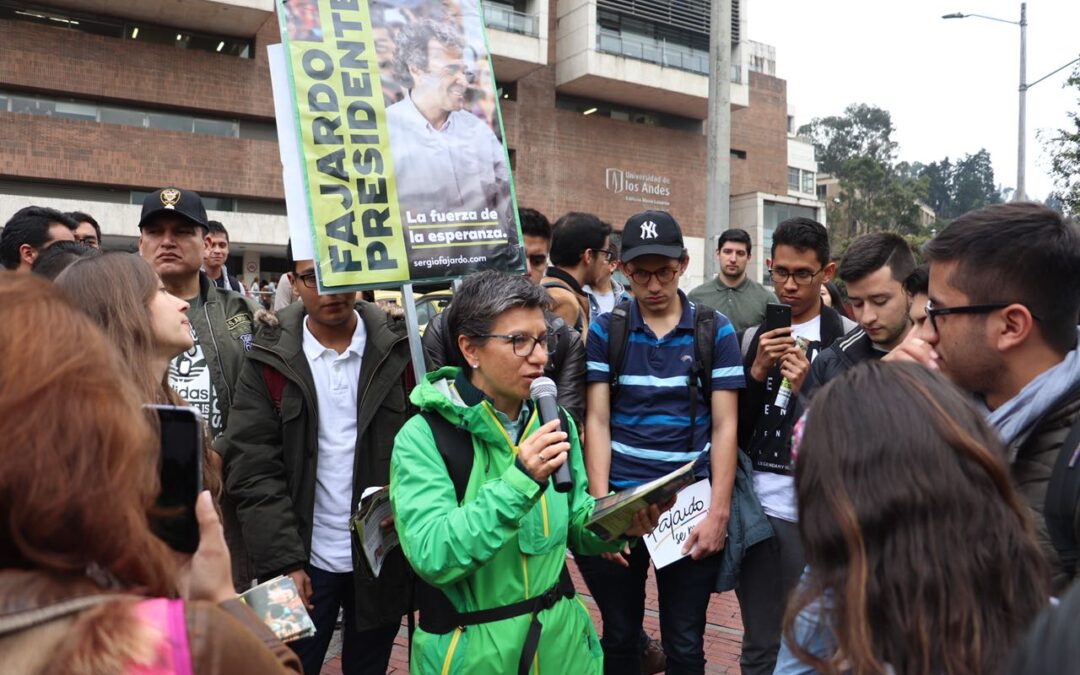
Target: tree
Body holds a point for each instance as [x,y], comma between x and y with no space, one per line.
[862,131]
[955,189]
[1063,146]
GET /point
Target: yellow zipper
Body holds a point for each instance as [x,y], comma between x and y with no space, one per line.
[450,651]
[525,574]
[544,513]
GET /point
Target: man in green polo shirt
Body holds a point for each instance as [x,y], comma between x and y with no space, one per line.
[735,295]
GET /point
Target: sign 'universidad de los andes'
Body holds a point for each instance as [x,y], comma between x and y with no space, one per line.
[405,173]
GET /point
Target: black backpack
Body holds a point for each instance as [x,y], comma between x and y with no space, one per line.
[701,369]
[1062,498]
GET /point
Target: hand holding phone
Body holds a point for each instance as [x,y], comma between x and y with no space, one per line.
[774,340]
[174,518]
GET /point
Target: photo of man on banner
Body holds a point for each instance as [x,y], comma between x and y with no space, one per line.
[399,138]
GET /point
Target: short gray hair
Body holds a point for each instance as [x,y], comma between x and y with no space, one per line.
[484,296]
[412,42]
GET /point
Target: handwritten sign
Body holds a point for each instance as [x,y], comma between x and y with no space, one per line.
[666,541]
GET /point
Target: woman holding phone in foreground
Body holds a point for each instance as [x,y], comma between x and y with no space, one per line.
[85,587]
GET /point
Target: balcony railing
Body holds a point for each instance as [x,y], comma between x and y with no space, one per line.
[659,52]
[501,17]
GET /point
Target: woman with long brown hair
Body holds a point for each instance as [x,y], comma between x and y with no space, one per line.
[921,558]
[83,581]
[147,325]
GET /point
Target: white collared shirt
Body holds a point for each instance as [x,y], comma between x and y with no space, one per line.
[337,380]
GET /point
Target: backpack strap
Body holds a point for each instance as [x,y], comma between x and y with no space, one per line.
[700,378]
[618,333]
[455,447]
[579,324]
[1062,498]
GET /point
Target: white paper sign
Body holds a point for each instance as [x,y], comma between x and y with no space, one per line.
[666,541]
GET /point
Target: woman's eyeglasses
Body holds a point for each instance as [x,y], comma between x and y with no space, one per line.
[524,345]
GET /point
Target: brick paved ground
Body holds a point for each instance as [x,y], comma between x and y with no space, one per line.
[723,634]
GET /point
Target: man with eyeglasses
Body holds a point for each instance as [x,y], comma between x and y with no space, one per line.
[741,299]
[445,157]
[321,396]
[799,265]
[1002,323]
[535,240]
[642,429]
[580,253]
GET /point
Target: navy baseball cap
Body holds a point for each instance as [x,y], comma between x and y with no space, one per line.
[185,203]
[652,233]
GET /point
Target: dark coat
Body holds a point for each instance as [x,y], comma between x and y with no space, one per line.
[854,347]
[270,458]
[1031,470]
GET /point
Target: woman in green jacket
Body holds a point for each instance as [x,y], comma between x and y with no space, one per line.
[498,556]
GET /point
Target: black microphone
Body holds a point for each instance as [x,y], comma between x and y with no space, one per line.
[543,391]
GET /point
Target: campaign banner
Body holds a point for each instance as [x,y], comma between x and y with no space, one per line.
[405,173]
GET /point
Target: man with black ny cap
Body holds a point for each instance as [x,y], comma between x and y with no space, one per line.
[173,235]
[653,419]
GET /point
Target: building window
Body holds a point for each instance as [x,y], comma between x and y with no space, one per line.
[125,30]
[507,91]
[89,111]
[792,179]
[594,108]
[809,182]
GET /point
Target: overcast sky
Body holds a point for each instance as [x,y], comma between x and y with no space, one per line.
[950,85]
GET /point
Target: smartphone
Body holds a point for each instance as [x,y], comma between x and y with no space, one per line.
[180,471]
[777,316]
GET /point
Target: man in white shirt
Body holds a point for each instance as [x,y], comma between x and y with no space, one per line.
[319,401]
[445,158]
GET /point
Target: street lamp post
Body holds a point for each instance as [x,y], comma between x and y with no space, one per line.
[1022,136]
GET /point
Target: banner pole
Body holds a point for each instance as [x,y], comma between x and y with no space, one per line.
[416,348]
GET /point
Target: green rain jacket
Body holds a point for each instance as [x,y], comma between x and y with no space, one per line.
[504,543]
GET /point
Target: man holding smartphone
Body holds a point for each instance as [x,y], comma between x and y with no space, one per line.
[319,401]
[774,362]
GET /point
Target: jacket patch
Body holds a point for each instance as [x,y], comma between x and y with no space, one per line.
[232,323]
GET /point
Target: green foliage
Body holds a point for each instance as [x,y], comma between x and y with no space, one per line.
[862,131]
[1063,146]
[955,189]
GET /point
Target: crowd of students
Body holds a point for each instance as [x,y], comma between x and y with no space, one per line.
[890,484]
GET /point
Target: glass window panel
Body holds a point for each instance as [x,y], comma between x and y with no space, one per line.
[170,122]
[77,111]
[133,118]
[216,127]
[808,181]
[3,102]
[218,203]
[793,178]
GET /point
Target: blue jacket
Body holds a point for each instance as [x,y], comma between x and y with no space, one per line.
[747,525]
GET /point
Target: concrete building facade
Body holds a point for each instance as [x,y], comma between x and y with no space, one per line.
[603,103]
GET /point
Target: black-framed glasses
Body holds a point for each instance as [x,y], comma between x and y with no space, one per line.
[307,279]
[608,253]
[538,260]
[664,275]
[802,277]
[524,345]
[932,313]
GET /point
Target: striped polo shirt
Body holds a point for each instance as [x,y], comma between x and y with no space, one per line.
[651,416]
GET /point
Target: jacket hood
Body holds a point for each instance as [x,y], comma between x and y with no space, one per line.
[447,393]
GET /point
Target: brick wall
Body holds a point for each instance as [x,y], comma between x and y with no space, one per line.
[67,62]
[562,156]
[40,148]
